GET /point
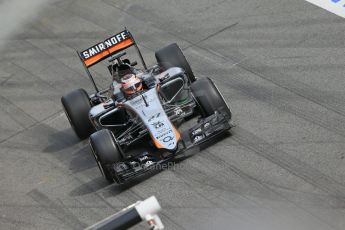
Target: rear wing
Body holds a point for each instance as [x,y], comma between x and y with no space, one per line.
[107,48]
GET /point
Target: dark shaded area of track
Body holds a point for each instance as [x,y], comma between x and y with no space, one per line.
[280,65]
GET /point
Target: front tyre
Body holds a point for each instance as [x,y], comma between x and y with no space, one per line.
[77,106]
[208,97]
[103,146]
[172,56]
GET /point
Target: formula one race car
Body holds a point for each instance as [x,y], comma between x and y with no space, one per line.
[133,124]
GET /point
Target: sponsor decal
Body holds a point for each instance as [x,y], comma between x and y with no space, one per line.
[162,130]
[335,6]
[167,139]
[141,159]
[163,134]
[198,138]
[196,132]
[154,117]
[106,48]
[157,125]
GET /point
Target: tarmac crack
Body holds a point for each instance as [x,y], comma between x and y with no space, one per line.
[211,35]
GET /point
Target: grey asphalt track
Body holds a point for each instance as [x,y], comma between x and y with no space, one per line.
[279,64]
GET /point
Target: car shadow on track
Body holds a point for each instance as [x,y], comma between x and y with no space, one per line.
[61,140]
[100,184]
[82,160]
[70,150]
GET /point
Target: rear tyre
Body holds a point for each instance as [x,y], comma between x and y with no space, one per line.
[172,56]
[77,106]
[103,146]
[208,97]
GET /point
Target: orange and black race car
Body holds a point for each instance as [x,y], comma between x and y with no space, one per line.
[134,124]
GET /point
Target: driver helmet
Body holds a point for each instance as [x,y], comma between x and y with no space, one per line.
[131,84]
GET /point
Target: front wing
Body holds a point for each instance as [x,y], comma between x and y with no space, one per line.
[205,130]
